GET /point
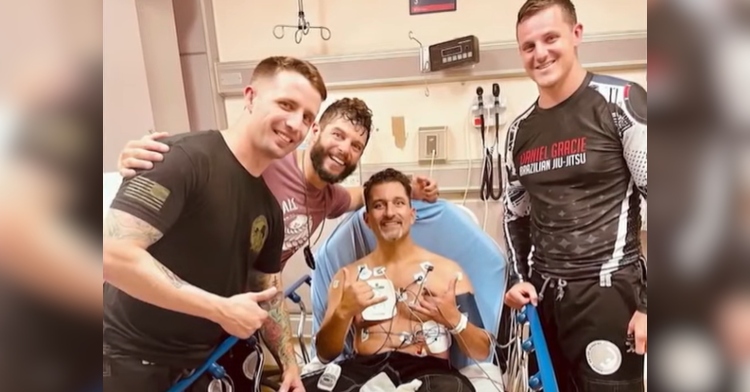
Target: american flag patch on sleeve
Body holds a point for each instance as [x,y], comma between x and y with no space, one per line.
[147,192]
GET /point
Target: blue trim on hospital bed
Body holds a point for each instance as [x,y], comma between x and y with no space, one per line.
[545,379]
[211,364]
[442,228]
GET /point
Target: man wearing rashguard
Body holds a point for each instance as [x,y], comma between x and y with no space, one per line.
[576,169]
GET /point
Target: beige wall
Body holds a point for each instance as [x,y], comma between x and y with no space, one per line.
[127,103]
[448,104]
[244,27]
[143,83]
[244,32]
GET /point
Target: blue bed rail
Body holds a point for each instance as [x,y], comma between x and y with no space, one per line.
[537,344]
[217,371]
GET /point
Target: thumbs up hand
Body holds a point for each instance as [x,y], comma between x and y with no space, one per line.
[357,295]
[241,315]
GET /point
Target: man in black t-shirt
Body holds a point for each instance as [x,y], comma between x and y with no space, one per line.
[184,241]
[576,171]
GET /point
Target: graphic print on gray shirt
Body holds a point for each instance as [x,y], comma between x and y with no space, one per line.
[287,183]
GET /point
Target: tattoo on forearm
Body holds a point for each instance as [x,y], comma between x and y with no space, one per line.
[174,279]
[277,331]
[123,226]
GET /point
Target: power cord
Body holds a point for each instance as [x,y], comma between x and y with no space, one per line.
[469,155]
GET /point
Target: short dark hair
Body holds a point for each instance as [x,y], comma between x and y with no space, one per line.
[352,109]
[383,177]
[532,7]
[270,66]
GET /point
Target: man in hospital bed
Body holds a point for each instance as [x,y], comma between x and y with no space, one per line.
[406,306]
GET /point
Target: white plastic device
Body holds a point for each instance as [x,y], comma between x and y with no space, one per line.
[329,378]
[219,385]
[436,337]
[489,111]
[386,309]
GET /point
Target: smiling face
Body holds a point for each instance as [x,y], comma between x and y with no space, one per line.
[283,108]
[337,149]
[547,41]
[338,144]
[390,214]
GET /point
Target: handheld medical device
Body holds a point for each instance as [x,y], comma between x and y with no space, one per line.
[330,377]
[458,52]
[386,309]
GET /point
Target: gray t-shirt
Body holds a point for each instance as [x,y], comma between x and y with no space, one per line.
[303,205]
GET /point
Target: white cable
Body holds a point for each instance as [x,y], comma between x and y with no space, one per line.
[469,154]
[432,163]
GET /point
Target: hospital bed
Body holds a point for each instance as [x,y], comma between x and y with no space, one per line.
[452,231]
[445,229]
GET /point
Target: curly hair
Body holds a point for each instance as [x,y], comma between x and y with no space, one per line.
[270,66]
[532,7]
[383,177]
[351,109]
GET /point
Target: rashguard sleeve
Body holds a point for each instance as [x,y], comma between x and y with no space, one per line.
[158,196]
[516,217]
[633,134]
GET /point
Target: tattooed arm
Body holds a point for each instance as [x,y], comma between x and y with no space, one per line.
[277,330]
[129,267]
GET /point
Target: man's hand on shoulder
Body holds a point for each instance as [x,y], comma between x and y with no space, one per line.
[141,154]
[424,188]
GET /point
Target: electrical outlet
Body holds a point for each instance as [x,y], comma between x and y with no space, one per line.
[432,147]
[432,144]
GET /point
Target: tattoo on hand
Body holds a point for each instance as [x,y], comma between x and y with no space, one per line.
[277,331]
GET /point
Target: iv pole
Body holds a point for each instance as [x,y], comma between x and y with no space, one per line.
[303,27]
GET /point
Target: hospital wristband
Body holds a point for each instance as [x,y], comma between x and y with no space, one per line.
[461,326]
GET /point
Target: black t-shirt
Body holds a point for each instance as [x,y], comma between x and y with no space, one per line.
[575,175]
[218,222]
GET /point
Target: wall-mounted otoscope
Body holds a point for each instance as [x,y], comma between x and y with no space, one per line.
[488,170]
[496,94]
[480,108]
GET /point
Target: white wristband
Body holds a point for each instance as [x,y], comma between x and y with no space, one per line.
[461,326]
